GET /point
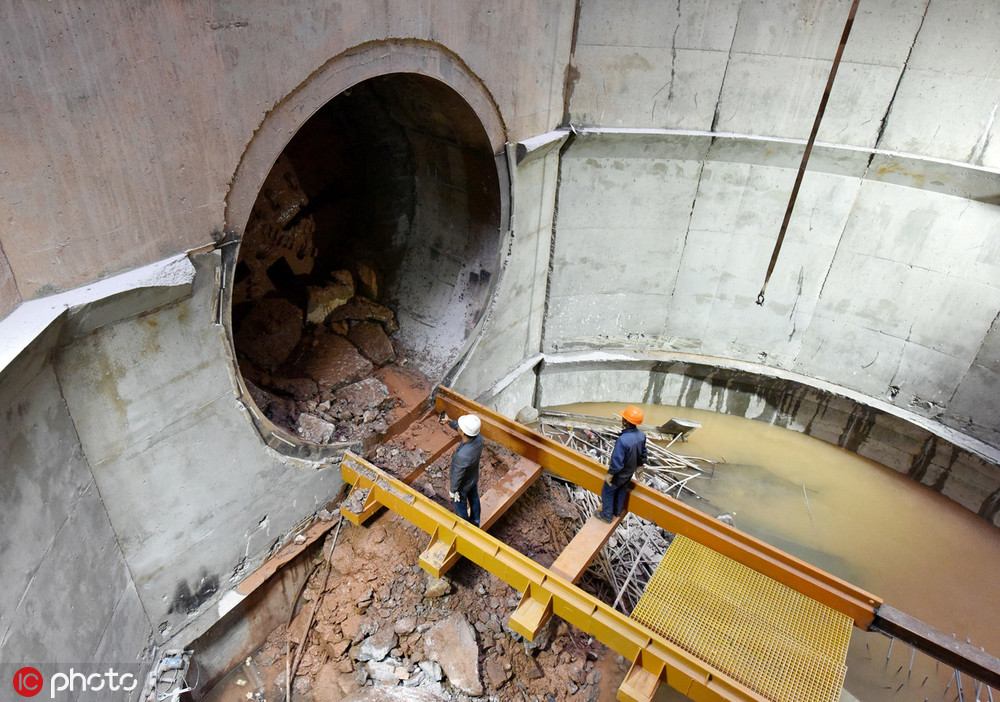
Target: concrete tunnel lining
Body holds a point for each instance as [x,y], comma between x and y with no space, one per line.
[434,187]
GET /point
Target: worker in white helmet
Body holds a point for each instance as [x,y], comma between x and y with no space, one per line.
[463,478]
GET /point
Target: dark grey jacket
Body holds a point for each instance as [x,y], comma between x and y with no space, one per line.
[464,473]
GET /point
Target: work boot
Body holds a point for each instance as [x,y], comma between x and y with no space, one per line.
[600,516]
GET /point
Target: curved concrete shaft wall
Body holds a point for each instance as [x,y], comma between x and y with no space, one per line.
[120,154]
[135,153]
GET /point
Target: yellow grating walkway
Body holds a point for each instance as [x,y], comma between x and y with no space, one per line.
[776,641]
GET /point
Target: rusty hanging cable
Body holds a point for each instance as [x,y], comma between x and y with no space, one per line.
[808,150]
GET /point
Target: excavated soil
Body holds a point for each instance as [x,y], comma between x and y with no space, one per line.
[386,630]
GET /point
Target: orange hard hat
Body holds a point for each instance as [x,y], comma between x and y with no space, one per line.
[632,415]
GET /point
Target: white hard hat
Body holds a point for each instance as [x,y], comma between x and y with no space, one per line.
[469,424]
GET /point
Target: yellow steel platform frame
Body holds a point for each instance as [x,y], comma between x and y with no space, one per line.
[655,640]
[655,659]
[670,514]
[778,642]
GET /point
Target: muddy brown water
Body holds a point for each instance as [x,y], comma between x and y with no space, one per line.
[919,551]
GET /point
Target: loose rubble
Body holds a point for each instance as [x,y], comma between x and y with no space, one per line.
[304,334]
[387,630]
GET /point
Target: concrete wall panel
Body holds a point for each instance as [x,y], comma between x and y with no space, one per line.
[647,87]
[89,188]
[954,118]
[44,475]
[651,64]
[516,396]
[870,292]
[779,96]
[185,477]
[946,105]
[64,575]
[973,404]
[72,602]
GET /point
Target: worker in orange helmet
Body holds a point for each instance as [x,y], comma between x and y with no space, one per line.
[629,455]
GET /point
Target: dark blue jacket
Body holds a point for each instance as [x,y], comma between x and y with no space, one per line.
[464,473]
[629,453]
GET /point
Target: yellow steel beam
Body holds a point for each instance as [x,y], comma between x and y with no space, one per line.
[655,659]
[670,514]
[439,557]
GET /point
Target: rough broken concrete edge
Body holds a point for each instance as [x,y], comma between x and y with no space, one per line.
[585,360]
[954,178]
[87,308]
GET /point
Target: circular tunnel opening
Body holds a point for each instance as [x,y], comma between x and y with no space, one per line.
[371,247]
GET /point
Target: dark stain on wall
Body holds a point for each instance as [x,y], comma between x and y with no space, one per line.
[918,468]
[859,425]
[990,506]
[943,478]
[188,599]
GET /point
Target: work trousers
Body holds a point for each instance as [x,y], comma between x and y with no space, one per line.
[613,496]
[468,507]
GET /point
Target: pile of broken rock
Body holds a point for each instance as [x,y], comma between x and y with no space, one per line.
[309,370]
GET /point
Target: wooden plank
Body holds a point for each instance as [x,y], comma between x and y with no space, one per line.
[498,500]
[958,654]
[580,552]
[283,556]
[514,483]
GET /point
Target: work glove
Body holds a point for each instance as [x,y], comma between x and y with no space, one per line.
[455,497]
[609,478]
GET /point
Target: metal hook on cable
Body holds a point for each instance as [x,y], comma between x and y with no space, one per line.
[808,150]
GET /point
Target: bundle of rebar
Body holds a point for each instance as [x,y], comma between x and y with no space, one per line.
[665,471]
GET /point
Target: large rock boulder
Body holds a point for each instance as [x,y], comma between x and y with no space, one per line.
[452,643]
[313,429]
[324,299]
[269,332]
[333,362]
[359,309]
[372,342]
[370,393]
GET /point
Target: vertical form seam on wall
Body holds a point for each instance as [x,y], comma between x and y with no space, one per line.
[18,298]
[571,75]
[687,230]
[570,138]
[45,554]
[895,90]
[725,72]
[100,495]
[568,86]
[809,145]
